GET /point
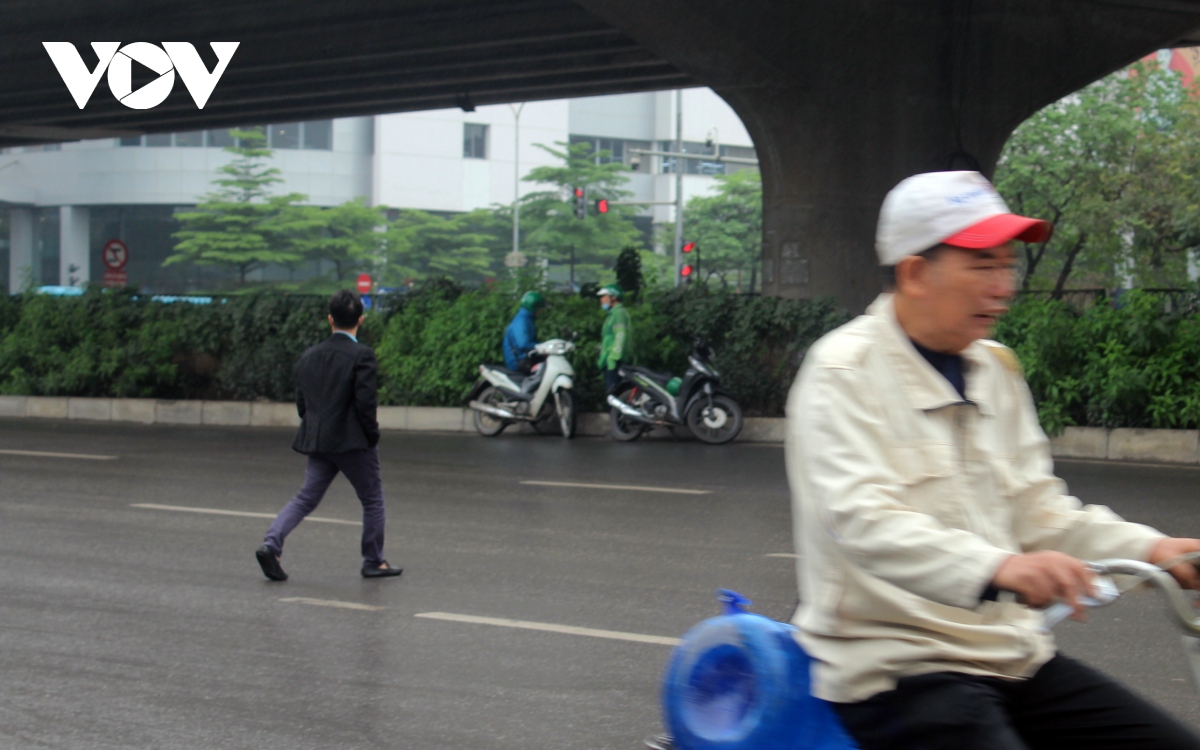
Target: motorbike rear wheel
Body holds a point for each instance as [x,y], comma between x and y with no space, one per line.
[564,404]
[717,424]
[623,428]
[486,424]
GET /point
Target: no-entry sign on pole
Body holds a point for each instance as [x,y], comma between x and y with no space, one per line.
[364,283]
[115,255]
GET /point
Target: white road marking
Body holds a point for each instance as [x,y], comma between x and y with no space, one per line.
[240,513]
[1115,462]
[550,627]
[46,454]
[332,603]
[792,555]
[634,487]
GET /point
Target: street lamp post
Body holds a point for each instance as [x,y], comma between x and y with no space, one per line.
[678,183]
[516,110]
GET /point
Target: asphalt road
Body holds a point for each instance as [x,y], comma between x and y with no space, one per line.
[141,627]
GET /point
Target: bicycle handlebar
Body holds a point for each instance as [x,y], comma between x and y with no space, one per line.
[1160,579]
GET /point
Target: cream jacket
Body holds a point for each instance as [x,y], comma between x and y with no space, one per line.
[907,499]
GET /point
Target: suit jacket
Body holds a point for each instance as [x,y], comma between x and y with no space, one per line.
[335,396]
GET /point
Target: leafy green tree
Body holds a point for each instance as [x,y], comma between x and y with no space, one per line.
[347,236]
[628,270]
[241,225]
[1113,167]
[466,247]
[727,229]
[550,227]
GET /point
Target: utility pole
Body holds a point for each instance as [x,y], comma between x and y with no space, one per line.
[516,110]
[678,183]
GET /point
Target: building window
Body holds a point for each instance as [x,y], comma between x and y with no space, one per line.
[133,140]
[192,139]
[284,136]
[613,150]
[158,140]
[318,134]
[474,141]
[220,138]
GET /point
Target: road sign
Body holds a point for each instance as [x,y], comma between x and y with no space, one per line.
[115,278]
[115,255]
[364,283]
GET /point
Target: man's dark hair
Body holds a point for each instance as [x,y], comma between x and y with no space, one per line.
[346,308]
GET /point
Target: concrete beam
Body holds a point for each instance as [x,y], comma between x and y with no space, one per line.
[74,238]
[20,248]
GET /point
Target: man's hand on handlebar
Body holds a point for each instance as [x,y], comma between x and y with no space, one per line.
[1185,573]
[1044,578]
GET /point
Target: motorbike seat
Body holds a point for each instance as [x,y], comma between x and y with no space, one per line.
[513,375]
[661,377]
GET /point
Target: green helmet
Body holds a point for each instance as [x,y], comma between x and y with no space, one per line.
[532,301]
[611,290]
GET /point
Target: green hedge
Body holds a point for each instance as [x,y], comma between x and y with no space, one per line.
[1136,365]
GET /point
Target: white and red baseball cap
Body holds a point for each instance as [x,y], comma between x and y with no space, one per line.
[960,209]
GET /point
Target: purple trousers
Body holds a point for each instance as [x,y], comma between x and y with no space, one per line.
[362,469]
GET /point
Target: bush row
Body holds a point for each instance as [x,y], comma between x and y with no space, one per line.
[429,343]
[1134,365]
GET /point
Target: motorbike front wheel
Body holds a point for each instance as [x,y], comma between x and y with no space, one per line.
[564,403]
[486,424]
[624,428]
[715,424]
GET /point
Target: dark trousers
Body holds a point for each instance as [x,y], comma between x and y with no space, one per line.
[611,378]
[362,469]
[1066,704]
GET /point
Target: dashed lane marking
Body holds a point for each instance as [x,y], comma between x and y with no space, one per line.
[792,555]
[632,487]
[331,603]
[239,513]
[549,627]
[47,454]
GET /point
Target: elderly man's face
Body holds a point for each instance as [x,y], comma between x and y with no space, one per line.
[956,296]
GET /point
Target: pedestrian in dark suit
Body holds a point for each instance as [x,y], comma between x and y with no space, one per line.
[335,395]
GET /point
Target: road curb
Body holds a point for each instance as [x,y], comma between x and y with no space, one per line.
[1097,443]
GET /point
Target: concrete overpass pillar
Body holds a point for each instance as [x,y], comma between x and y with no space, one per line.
[20,248]
[845,98]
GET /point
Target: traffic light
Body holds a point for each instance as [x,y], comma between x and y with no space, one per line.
[580,203]
[687,270]
[689,247]
[602,206]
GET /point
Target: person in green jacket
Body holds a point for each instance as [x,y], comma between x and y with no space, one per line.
[616,338]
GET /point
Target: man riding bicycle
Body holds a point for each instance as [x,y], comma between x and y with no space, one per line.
[928,514]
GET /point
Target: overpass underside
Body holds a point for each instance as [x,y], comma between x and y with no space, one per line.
[842,97]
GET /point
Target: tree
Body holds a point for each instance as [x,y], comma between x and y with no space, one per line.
[241,225]
[347,236]
[548,219]
[466,247]
[727,229]
[1113,167]
[628,270]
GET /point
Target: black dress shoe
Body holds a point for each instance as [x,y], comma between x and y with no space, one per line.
[383,571]
[269,564]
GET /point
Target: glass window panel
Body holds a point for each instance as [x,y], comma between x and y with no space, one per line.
[191,139]
[318,134]
[474,141]
[220,138]
[159,140]
[285,136]
[133,140]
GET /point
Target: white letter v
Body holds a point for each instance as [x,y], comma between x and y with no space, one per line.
[200,83]
[80,81]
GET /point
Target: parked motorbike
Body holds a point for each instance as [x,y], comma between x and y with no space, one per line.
[645,399]
[502,397]
[740,681]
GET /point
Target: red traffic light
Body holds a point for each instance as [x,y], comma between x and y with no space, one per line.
[602,206]
[578,192]
[689,247]
[685,271]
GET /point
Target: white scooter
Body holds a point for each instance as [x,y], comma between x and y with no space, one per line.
[502,397]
